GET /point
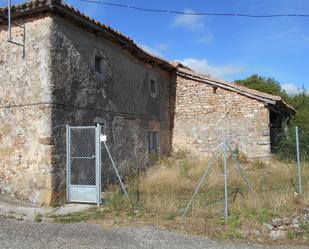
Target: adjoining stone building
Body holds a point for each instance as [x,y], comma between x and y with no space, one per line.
[207,108]
[75,70]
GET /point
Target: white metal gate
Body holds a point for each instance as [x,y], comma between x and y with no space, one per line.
[83,164]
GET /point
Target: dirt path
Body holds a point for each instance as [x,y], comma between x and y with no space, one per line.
[29,235]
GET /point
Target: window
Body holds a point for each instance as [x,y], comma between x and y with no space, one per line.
[98,64]
[153,142]
[153,87]
[214,90]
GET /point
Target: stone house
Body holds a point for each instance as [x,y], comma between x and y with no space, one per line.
[74,70]
[207,108]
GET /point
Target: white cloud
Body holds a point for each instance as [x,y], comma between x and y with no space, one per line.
[189,22]
[157,49]
[207,38]
[291,89]
[214,70]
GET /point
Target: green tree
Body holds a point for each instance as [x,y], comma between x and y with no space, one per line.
[301,119]
[266,85]
[286,142]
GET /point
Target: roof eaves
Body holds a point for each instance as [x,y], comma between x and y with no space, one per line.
[226,87]
[98,28]
[114,35]
[273,100]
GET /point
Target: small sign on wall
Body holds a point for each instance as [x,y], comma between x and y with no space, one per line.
[103,138]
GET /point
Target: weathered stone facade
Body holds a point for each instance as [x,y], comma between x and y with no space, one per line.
[120,96]
[204,113]
[57,84]
[25,113]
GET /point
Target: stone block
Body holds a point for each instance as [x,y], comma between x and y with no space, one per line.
[5,129]
[267,226]
[6,152]
[45,197]
[46,140]
[277,234]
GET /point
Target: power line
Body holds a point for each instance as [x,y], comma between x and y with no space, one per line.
[191,13]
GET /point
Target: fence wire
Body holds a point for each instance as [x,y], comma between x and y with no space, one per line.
[283,142]
[168,187]
[277,182]
[129,150]
[83,169]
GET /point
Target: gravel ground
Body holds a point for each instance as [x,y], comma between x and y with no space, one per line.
[22,234]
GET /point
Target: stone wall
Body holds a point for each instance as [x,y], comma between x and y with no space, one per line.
[204,114]
[120,95]
[25,112]
[56,84]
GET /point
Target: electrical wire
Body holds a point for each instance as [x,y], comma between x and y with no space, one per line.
[192,13]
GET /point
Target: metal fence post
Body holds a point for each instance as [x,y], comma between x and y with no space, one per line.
[68,154]
[298,163]
[226,215]
[98,163]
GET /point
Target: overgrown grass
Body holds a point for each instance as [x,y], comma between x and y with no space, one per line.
[160,195]
[167,188]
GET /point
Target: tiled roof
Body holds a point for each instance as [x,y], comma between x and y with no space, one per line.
[36,6]
[276,101]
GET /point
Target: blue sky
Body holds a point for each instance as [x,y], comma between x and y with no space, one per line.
[227,47]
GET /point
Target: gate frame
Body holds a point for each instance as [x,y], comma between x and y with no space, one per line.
[98,162]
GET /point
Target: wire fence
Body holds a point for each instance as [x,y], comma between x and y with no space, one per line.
[277,183]
[128,146]
[284,143]
[168,187]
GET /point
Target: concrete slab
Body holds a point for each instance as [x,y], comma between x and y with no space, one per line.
[72,208]
[23,210]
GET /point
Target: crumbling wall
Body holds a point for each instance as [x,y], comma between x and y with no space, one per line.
[203,115]
[25,112]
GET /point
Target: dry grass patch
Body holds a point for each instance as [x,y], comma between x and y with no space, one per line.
[165,189]
[160,195]
[168,186]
